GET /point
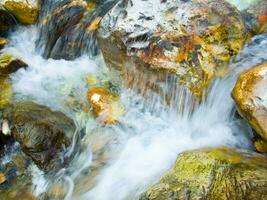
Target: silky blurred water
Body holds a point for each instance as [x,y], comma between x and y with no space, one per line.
[149,136]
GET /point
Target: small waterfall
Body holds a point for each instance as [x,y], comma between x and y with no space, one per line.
[120,161]
[64,26]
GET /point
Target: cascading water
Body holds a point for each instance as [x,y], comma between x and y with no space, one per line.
[133,154]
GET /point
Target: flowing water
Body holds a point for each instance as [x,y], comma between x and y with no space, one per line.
[120,161]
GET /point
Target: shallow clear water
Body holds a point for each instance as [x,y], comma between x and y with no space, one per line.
[150,134]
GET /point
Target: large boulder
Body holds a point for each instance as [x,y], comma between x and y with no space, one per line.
[44,135]
[219,174]
[68,29]
[25,11]
[249,94]
[256,17]
[193,40]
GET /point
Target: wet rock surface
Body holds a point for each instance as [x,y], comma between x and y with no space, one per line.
[15,173]
[221,173]
[190,39]
[25,11]
[66,30]
[249,94]
[10,64]
[3,42]
[105,104]
[44,135]
[5,92]
[7,21]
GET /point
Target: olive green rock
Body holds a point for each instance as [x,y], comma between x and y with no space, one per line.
[5,92]
[25,11]
[10,64]
[220,173]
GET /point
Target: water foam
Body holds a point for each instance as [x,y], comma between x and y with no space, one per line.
[149,137]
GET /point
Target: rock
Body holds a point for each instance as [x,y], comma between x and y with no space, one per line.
[5,128]
[7,21]
[249,94]
[10,64]
[68,30]
[2,178]
[260,145]
[256,17]
[43,134]
[5,92]
[220,173]
[191,39]
[3,42]
[25,11]
[105,104]
[15,167]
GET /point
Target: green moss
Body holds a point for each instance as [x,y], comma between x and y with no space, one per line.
[5,92]
[221,173]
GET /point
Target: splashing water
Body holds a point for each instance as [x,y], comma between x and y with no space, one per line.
[150,135]
[242,4]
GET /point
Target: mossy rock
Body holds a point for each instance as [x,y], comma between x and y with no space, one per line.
[5,92]
[25,11]
[10,64]
[219,173]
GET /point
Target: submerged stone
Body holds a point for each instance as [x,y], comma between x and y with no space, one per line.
[25,11]
[221,173]
[249,94]
[43,134]
[105,104]
[193,40]
[14,165]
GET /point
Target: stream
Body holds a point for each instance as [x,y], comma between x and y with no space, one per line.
[120,161]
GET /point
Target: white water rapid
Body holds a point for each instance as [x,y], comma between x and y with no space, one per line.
[150,136]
